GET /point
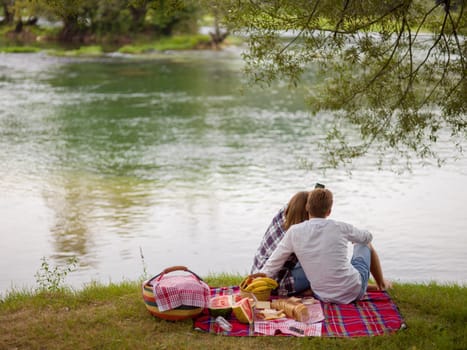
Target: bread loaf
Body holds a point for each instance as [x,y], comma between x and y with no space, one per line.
[292,307]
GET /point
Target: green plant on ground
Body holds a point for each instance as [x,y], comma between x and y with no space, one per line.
[144,275]
[51,278]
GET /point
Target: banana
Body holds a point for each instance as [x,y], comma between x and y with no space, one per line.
[273,283]
[250,284]
[261,289]
[256,283]
[269,281]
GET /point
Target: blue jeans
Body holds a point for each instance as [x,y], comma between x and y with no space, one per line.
[301,283]
[361,260]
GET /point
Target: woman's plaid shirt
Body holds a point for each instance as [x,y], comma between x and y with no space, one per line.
[270,241]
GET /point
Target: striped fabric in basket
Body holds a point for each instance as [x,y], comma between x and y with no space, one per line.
[180,313]
[176,297]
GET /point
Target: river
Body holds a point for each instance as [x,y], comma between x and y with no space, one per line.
[134,164]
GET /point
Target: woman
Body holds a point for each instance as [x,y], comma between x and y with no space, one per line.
[293,213]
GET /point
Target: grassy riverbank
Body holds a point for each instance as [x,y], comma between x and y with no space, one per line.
[114,317]
[180,42]
[35,39]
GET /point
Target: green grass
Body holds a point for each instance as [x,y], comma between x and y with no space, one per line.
[185,42]
[36,39]
[181,42]
[115,317]
[88,51]
[20,49]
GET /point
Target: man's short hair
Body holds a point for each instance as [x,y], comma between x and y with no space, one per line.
[319,202]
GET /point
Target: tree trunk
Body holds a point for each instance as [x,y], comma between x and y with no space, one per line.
[7,15]
[217,37]
[31,21]
[71,29]
[19,26]
[138,14]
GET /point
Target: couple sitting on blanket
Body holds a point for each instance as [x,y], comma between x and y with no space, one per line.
[304,251]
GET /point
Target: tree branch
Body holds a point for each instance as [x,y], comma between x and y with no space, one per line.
[456,38]
[301,31]
[341,19]
[382,69]
[434,44]
[378,19]
[424,19]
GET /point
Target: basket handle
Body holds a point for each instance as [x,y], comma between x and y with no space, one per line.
[172,269]
[258,274]
[250,277]
[175,268]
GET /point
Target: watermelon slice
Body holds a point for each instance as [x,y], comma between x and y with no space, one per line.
[243,311]
[221,306]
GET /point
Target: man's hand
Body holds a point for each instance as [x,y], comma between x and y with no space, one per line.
[385,285]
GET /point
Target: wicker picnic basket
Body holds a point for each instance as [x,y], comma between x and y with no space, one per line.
[180,313]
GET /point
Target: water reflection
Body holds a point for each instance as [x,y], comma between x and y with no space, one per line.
[85,207]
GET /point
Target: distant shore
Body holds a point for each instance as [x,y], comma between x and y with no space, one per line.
[43,40]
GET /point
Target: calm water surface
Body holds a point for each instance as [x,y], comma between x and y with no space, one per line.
[176,158]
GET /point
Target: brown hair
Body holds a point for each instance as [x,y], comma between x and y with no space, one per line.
[319,202]
[296,210]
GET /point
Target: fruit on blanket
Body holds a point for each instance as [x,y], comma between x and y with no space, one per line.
[259,284]
[243,311]
[221,306]
[271,282]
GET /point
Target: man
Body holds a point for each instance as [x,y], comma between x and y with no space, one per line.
[272,237]
[320,245]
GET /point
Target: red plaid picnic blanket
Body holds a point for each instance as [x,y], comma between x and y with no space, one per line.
[375,314]
[287,327]
[174,291]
